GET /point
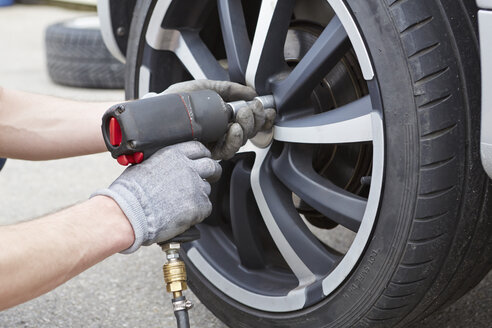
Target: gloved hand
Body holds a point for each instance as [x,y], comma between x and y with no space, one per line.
[166,194]
[249,120]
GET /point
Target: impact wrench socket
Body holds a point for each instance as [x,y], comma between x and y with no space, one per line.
[134,130]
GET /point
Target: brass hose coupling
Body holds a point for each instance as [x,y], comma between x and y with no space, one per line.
[175,275]
[174,270]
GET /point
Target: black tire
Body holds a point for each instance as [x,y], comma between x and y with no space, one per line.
[77,56]
[432,240]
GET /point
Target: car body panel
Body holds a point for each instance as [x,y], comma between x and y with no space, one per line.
[115,17]
[485,28]
[104,13]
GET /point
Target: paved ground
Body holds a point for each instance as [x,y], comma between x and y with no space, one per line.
[123,291]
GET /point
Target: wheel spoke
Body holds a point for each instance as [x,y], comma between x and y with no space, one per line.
[328,49]
[249,147]
[245,218]
[267,51]
[294,168]
[187,45]
[304,254]
[349,123]
[198,59]
[236,39]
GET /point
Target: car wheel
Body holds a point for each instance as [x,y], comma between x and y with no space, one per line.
[367,205]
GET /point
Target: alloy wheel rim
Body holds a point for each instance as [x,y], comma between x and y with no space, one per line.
[313,272]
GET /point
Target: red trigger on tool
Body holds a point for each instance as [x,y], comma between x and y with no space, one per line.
[138,157]
[123,160]
[134,158]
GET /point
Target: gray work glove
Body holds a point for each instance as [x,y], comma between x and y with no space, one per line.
[166,194]
[249,120]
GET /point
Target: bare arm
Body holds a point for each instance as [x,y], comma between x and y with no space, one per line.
[39,255]
[37,127]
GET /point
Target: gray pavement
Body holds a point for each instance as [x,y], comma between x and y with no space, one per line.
[124,290]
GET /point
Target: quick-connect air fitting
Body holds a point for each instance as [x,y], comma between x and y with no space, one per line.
[174,270]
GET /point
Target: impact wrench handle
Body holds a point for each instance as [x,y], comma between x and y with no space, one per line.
[134,130]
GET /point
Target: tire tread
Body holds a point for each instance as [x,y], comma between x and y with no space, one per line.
[435,232]
[78,57]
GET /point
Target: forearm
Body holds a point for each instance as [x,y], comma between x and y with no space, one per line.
[37,127]
[39,255]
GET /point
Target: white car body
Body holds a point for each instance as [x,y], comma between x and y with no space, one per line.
[485,26]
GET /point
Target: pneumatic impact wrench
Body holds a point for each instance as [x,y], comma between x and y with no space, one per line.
[133,131]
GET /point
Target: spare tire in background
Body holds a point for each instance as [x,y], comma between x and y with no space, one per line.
[77,56]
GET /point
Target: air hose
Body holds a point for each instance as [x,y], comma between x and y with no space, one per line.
[181,312]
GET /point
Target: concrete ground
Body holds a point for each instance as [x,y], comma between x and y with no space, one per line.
[122,291]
